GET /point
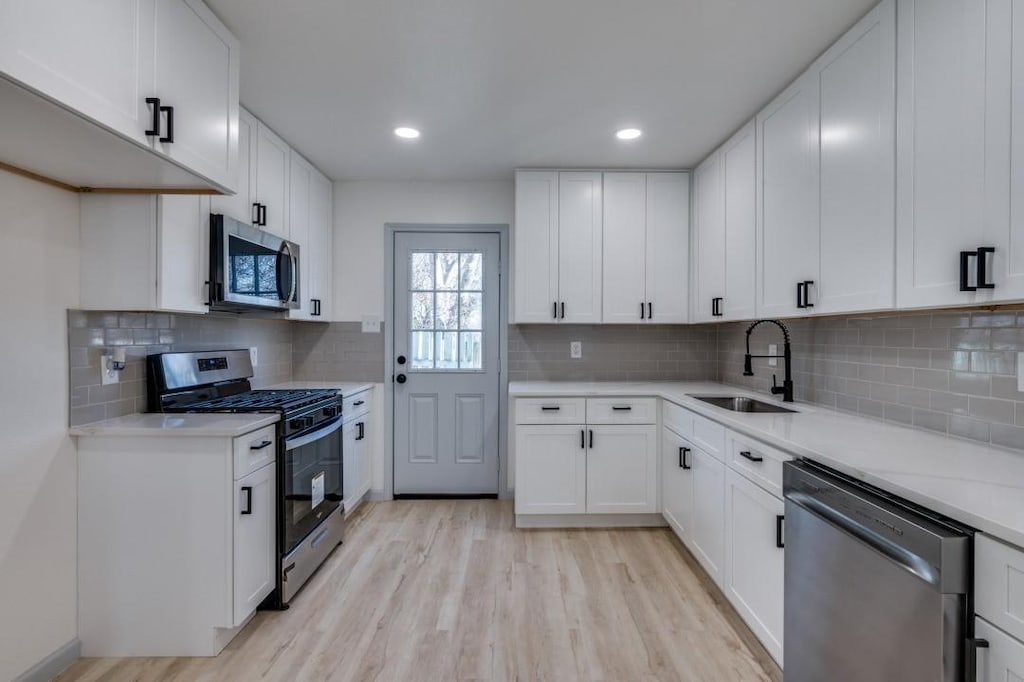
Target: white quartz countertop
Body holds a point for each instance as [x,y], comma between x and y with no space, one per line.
[978,485]
[196,425]
[346,388]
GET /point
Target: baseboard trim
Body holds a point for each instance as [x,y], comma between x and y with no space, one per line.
[590,521]
[376,496]
[54,664]
[445,496]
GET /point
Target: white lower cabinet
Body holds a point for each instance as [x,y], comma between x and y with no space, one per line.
[357,456]
[676,481]
[551,469]
[754,559]
[1003,659]
[254,535]
[706,538]
[622,469]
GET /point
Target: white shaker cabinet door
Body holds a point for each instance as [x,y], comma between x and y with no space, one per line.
[579,247]
[754,558]
[739,181]
[551,470]
[317,257]
[535,248]
[625,248]
[196,77]
[300,178]
[254,540]
[676,482]
[787,226]
[240,204]
[622,469]
[709,250]
[940,147]
[856,78]
[93,57]
[272,164]
[349,465]
[707,535]
[668,247]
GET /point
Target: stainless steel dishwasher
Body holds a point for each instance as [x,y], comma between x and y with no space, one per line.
[877,589]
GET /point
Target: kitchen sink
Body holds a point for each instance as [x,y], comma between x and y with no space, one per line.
[741,404]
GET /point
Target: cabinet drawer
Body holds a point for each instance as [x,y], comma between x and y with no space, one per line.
[254,450]
[758,462]
[1003,659]
[551,411]
[679,419]
[622,410]
[356,405]
[708,435]
[999,584]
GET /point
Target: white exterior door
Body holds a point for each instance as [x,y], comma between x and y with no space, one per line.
[446,362]
[739,180]
[535,243]
[707,524]
[709,254]
[622,469]
[787,229]
[255,540]
[940,154]
[668,247]
[754,580]
[551,469]
[856,78]
[200,82]
[579,247]
[676,482]
[625,248]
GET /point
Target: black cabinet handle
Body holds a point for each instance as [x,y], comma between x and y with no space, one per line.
[752,458]
[780,541]
[263,215]
[550,408]
[563,310]
[583,439]
[807,293]
[965,265]
[255,214]
[650,310]
[683,451]
[554,310]
[800,295]
[154,128]
[261,446]
[641,310]
[716,307]
[169,137]
[247,491]
[360,402]
[362,431]
[622,408]
[983,253]
[591,439]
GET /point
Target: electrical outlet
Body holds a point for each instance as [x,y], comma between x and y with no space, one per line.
[107,375]
[773,349]
[575,350]
[371,324]
[254,356]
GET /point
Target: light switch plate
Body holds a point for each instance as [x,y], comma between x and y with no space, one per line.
[773,349]
[575,350]
[108,376]
[371,324]
[254,356]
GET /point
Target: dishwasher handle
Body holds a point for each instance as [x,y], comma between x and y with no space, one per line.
[901,555]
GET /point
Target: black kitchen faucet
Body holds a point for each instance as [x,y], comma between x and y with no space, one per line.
[787,356]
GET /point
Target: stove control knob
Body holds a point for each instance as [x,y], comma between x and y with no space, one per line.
[310,421]
[295,424]
[330,411]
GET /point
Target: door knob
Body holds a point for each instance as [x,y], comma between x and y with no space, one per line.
[400,378]
[401,359]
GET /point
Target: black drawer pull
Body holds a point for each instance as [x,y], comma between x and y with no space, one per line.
[683,451]
[752,458]
[261,446]
[622,408]
[780,540]
[550,408]
[358,403]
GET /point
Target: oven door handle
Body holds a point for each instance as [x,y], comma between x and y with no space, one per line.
[332,426]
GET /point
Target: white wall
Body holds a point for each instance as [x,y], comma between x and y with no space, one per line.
[38,502]
[362,208]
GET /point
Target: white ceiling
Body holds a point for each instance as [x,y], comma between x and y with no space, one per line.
[500,84]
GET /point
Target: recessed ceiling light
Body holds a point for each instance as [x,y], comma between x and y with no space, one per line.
[629,133]
[407,133]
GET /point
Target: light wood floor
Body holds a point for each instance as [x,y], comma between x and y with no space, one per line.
[449,590]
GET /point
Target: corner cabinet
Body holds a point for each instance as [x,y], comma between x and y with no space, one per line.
[557,247]
[161,76]
[646,248]
[177,539]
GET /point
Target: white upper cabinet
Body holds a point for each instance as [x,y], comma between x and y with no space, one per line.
[857,175]
[668,247]
[195,75]
[273,160]
[240,204]
[940,155]
[535,247]
[300,178]
[787,218]
[108,63]
[317,256]
[709,254]
[625,248]
[579,247]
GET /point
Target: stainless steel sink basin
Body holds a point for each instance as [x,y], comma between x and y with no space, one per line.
[741,404]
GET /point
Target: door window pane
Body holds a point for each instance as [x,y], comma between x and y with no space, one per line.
[446,310]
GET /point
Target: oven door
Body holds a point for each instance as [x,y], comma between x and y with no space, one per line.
[312,481]
[251,268]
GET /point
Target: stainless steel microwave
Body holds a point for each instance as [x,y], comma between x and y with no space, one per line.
[250,268]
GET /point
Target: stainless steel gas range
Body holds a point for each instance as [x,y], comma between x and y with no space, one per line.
[310,510]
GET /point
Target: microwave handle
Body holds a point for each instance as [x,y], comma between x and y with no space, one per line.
[283,252]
